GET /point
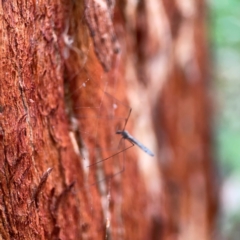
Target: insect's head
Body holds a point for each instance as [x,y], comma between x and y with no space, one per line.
[118,132]
[118,129]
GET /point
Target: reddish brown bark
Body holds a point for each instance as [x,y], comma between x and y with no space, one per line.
[34,126]
[60,109]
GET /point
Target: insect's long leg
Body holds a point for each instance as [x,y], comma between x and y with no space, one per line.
[123,163]
[112,155]
[129,113]
[127,119]
[83,85]
[69,43]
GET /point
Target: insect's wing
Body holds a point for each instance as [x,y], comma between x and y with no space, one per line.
[140,145]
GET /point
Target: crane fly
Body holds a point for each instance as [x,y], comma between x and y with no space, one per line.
[134,141]
[131,139]
[101,118]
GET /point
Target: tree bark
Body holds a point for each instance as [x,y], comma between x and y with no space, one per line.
[69,73]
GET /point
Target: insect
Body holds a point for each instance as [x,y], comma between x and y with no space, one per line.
[101,130]
[130,138]
[114,156]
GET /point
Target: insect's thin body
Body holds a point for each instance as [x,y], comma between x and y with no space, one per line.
[129,137]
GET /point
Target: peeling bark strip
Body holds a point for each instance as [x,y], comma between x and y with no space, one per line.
[98,15]
[41,185]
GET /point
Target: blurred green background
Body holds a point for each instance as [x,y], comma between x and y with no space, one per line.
[224,17]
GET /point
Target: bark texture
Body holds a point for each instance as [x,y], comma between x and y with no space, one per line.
[70,70]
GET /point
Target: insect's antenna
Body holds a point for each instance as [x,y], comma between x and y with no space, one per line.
[127,119]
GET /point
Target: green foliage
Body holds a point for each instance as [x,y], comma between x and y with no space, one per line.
[225,37]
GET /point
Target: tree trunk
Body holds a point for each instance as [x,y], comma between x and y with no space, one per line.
[70,72]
